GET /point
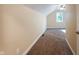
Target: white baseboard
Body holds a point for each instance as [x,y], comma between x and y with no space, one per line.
[27,50]
[70,47]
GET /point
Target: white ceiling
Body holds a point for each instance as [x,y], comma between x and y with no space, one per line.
[43,8]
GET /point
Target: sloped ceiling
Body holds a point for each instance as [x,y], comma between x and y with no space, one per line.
[42,8]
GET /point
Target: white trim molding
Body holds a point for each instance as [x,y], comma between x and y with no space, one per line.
[27,50]
[70,47]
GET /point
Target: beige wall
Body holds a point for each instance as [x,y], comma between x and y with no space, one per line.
[20,28]
[51,21]
[71,26]
[77,17]
[77,28]
[0,27]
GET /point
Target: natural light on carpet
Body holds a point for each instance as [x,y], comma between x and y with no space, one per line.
[63,31]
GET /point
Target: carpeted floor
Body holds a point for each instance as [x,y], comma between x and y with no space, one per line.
[52,43]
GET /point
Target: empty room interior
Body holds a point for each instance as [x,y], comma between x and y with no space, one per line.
[39,29]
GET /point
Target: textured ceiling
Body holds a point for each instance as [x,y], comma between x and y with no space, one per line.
[42,8]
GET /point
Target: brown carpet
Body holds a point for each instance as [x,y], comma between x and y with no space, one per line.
[52,43]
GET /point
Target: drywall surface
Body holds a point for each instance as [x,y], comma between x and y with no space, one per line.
[1,40]
[77,29]
[71,26]
[51,21]
[20,28]
[77,6]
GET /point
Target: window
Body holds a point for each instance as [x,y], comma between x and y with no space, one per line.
[59,17]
